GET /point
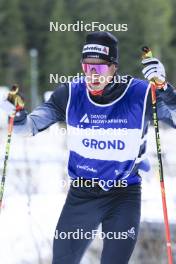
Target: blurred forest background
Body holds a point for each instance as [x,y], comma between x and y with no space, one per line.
[24,25]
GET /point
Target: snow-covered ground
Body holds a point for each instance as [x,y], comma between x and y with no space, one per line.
[151,194]
[34,195]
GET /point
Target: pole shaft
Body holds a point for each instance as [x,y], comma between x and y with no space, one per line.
[160,167]
[7,150]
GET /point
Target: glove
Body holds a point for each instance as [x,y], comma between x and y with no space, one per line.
[15,98]
[11,101]
[154,71]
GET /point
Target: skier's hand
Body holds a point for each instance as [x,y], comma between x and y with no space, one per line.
[11,101]
[15,98]
[154,71]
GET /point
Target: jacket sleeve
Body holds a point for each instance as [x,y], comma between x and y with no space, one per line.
[166,106]
[45,115]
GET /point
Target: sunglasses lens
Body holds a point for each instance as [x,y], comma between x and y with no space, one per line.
[99,68]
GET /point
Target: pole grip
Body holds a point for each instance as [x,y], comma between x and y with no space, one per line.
[147,53]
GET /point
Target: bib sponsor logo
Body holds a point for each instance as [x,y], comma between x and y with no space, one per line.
[95,144]
[87,168]
[96,48]
[132,233]
[101,119]
[84,119]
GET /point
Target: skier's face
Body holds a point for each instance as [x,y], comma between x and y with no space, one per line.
[98,72]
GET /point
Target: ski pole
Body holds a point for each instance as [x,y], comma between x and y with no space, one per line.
[148,54]
[7,148]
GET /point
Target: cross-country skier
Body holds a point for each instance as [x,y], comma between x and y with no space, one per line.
[111,115]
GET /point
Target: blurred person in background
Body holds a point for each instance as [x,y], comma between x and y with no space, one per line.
[101,101]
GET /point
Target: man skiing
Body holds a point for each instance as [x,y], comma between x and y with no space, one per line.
[111,114]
